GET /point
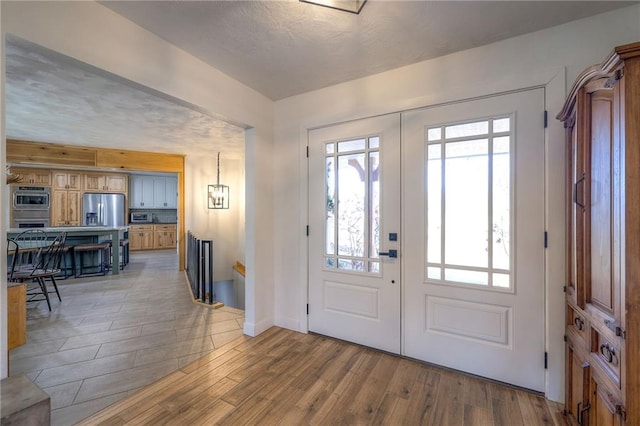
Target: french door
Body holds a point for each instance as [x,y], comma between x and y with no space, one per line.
[469,241]
[354,210]
[473,218]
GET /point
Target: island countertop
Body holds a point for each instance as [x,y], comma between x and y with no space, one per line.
[73,229]
[115,232]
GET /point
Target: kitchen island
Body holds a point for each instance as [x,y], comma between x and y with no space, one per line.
[78,234]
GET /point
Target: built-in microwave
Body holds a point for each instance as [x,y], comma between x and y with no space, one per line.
[31,197]
[141,217]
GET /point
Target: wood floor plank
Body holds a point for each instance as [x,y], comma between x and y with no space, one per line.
[534,410]
[288,378]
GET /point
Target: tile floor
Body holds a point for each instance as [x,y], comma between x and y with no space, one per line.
[112,335]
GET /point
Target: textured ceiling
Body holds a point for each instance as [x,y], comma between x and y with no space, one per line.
[279,48]
[284,48]
[53,98]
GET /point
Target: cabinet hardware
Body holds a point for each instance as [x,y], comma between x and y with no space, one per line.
[575,192]
[581,412]
[611,325]
[608,353]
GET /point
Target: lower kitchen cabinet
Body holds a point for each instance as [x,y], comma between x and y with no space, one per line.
[148,237]
[165,236]
[66,208]
[141,237]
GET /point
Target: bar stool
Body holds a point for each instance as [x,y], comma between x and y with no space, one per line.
[124,253]
[67,270]
[101,249]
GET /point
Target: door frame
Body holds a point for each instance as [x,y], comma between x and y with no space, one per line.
[553,82]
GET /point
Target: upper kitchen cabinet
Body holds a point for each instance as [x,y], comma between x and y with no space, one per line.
[67,180]
[101,182]
[33,176]
[141,195]
[165,193]
[153,192]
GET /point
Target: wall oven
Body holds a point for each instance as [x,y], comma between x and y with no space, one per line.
[31,206]
[31,197]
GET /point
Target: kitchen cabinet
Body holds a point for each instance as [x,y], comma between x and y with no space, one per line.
[66,199]
[147,237]
[67,180]
[165,193]
[154,192]
[164,236]
[100,182]
[33,176]
[141,195]
[603,219]
[66,208]
[141,237]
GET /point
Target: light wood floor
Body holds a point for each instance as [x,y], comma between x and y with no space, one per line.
[287,378]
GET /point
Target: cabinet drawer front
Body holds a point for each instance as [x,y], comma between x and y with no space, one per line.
[135,228]
[577,323]
[607,354]
[165,227]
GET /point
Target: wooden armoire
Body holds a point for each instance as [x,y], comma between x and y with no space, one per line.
[602,329]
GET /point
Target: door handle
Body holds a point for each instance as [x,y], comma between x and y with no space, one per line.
[390,253]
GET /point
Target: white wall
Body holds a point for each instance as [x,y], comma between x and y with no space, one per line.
[224,227]
[544,58]
[94,34]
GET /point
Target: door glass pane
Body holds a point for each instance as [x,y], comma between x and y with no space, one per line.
[354,145]
[467,129]
[501,203]
[466,203]
[353,219]
[374,203]
[469,196]
[351,204]
[330,223]
[434,134]
[434,204]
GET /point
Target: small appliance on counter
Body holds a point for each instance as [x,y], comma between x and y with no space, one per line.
[141,217]
[103,209]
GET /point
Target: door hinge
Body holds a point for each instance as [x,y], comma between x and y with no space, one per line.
[620,410]
[307,230]
[564,289]
[546,360]
[545,119]
[307,309]
[620,332]
[307,151]
[546,239]
[564,337]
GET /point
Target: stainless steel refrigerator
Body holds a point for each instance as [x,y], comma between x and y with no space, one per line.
[103,210]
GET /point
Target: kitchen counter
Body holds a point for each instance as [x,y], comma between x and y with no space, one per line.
[115,233]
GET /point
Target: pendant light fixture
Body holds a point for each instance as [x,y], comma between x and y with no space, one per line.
[218,195]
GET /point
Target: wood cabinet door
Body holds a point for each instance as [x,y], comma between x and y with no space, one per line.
[74,181]
[60,180]
[604,189]
[115,183]
[578,374]
[605,409]
[59,208]
[93,182]
[41,177]
[160,239]
[74,208]
[147,239]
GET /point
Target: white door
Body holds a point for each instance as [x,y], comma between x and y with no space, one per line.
[473,243]
[354,216]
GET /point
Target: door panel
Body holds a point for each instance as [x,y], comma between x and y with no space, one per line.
[354,207]
[473,226]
